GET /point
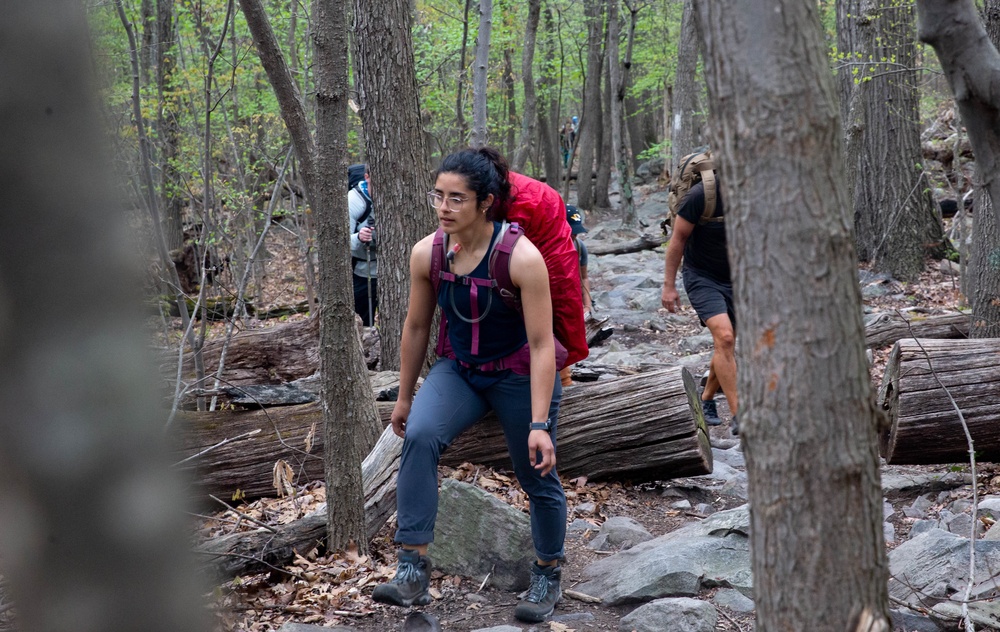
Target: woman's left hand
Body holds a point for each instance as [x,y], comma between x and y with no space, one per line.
[540,441]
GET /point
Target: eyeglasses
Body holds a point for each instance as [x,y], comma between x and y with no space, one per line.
[452,204]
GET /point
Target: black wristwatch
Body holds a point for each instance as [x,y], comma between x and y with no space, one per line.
[542,425]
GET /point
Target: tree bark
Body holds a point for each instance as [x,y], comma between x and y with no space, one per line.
[890,327]
[894,214]
[529,115]
[668,440]
[463,129]
[510,100]
[925,380]
[619,130]
[589,129]
[548,113]
[605,157]
[985,268]
[354,428]
[480,75]
[688,117]
[93,535]
[972,66]
[389,103]
[807,414]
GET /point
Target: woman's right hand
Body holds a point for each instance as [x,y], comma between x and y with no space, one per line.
[400,413]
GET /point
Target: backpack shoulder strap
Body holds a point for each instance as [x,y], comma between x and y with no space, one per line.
[499,266]
[368,205]
[437,265]
[708,182]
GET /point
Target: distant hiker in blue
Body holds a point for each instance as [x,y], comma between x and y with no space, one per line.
[364,263]
[500,359]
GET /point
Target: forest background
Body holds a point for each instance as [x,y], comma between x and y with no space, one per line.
[200,138]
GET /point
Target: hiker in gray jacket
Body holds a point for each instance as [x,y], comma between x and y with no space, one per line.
[363,254]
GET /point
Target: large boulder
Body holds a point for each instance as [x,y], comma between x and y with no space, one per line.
[712,552]
[478,534]
[683,615]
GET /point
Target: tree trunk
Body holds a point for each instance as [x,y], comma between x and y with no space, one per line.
[589,129]
[548,114]
[528,78]
[463,128]
[168,127]
[893,211]
[480,75]
[669,441]
[93,532]
[602,182]
[619,130]
[985,268]
[349,418]
[390,110]
[509,98]
[687,120]
[971,64]
[807,414]
[925,380]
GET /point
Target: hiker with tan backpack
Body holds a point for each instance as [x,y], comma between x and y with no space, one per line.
[699,238]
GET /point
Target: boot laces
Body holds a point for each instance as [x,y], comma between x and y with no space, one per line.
[406,572]
[539,588]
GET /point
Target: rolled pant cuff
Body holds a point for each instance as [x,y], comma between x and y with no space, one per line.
[414,538]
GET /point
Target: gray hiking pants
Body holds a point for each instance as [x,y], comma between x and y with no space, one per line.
[450,400]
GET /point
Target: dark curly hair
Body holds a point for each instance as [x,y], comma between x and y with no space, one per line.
[485,171]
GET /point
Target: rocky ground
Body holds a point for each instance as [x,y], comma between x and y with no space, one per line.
[614,524]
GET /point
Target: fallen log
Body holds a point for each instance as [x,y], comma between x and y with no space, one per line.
[642,242]
[922,377]
[888,327]
[640,428]
[645,422]
[259,551]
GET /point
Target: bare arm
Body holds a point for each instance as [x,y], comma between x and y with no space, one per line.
[675,252]
[529,273]
[416,331]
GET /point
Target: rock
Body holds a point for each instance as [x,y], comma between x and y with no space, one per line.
[912,622]
[887,510]
[710,552]
[919,507]
[949,268]
[906,483]
[478,534]
[580,526]
[732,458]
[695,344]
[993,533]
[586,509]
[500,628]
[961,524]
[922,526]
[990,506]
[704,509]
[982,613]
[684,615]
[305,627]
[619,533]
[421,622]
[733,600]
[683,505]
[932,566]
[476,598]
[889,532]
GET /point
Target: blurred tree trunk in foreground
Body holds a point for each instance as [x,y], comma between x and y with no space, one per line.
[90,514]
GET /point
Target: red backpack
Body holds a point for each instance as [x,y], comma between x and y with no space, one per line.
[537,211]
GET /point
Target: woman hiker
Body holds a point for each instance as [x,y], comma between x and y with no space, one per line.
[500,359]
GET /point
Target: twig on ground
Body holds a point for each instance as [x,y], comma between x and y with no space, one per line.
[243,515]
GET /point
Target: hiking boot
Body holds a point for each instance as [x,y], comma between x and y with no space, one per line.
[735,426]
[542,596]
[409,586]
[710,412]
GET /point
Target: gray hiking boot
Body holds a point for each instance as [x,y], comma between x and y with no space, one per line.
[409,586]
[710,412]
[735,426]
[542,596]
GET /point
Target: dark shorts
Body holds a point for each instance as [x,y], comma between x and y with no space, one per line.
[708,297]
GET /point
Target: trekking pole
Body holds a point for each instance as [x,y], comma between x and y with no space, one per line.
[368,273]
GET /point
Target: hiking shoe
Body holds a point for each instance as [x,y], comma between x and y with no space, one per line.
[542,596]
[710,412]
[409,586]
[735,426]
